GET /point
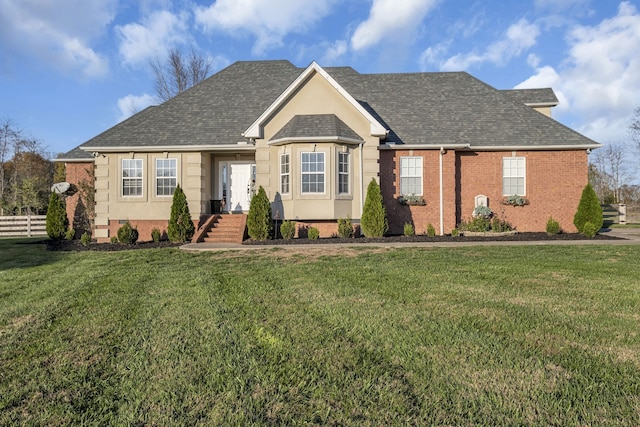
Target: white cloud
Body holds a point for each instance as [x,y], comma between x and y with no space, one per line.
[131,104]
[518,38]
[269,21]
[58,33]
[156,34]
[336,51]
[600,78]
[390,19]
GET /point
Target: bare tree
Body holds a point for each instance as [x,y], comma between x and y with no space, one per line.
[178,73]
[611,162]
[634,129]
[9,140]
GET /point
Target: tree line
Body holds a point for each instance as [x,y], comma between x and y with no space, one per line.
[26,172]
[614,167]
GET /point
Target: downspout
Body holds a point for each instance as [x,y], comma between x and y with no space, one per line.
[442,151]
[361,180]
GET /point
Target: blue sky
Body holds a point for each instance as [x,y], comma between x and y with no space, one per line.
[70,69]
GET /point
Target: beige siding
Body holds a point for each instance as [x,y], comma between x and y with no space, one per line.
[317,96]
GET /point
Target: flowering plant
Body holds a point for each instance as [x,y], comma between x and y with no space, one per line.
[515,200]
[411,200]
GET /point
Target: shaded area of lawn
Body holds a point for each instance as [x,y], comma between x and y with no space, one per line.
[465,336]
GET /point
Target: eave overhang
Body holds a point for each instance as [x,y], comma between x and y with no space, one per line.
[255,130]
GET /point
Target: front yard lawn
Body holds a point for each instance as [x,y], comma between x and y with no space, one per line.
[517,335]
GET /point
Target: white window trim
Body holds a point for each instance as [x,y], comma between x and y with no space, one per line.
[421,176]
[288,173]
[524,160]
[157,177]
[324,173]
[347,173]
[123,178]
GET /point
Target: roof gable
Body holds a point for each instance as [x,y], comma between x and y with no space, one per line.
[316,127]
[255,130]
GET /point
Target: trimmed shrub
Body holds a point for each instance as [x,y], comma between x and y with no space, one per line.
[181,226]
[455,232]
[288,229]
[259,219]
[57,221]
[127,235]
[408,229]
[70,234]
[479,224]
[313,233]
[374,216]
[431,231]
[590,229]
[345,228]
[499,225]
[114,239]
[155,235]
[589,210]
[85,239]
[553,226]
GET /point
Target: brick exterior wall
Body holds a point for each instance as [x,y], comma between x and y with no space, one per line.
[75,173]
[554,183]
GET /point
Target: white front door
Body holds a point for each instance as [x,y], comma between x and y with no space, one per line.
[240,186]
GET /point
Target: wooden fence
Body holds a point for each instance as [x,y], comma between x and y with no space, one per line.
[30,225]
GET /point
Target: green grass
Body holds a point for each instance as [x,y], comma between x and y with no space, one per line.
[500,335]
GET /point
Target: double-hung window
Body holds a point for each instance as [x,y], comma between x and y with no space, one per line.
[166,176]
[285,174]
[131,177]
[513,176]
[312,166]
[343,173]
[410,176]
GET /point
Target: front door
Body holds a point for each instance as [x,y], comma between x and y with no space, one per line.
[240,186]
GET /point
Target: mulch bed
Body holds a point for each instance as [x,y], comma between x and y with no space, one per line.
[76,245]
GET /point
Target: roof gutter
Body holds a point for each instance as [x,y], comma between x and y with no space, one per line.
[488,147]
[242,146]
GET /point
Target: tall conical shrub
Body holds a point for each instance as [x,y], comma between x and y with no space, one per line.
[181,226]
[374,215]
[589,210]
[57,221]
[259,224]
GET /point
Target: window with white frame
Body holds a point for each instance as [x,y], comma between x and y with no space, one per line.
[343,173]
[131,177]
[513,176]
[285,174]
[410,176]
[166,176]
[312,169]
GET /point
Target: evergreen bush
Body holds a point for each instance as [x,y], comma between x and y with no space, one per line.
[288,229]
[408,229]
[181,226]
[553,226]
[313,233]
[85,239]
[590,229]
[70,234]
[127,235]
[155,235]
[259,224]
[374,216]
[57,221]
[345,228]
[589,210]
[431,231]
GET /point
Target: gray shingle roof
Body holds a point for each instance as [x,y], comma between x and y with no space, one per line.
[417,108]
[542,96]
[316,126]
